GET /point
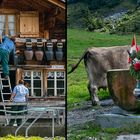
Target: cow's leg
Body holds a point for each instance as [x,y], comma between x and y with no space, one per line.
[93,94]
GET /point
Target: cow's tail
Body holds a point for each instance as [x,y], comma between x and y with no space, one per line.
[74,66]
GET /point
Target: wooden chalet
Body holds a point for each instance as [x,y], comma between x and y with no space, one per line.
[39,27]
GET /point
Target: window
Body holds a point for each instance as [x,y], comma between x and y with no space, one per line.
[34,78]
[7,24]
[56,83]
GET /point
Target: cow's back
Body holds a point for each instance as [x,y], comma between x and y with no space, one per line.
[99,60]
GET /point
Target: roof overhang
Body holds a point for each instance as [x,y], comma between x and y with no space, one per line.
[59,3]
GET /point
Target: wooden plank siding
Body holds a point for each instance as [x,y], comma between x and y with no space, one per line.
[35,19]
[50,12]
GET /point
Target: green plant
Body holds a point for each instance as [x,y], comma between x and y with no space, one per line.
[10,137]
[103,94]
[90,130]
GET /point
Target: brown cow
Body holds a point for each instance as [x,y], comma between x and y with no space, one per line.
[98,61]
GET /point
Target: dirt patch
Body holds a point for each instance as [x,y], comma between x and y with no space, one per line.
[82,118]
[87,112]
[80,115]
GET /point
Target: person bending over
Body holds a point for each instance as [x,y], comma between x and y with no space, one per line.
[6,47]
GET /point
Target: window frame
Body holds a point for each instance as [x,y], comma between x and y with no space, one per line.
[44,87]
[32,88]
[55,88]
[7,23]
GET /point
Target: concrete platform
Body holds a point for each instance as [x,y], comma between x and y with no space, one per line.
[34,131]
[129,137]
[117,120]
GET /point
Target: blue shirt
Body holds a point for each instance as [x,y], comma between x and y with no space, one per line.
[8,44]
[21,91]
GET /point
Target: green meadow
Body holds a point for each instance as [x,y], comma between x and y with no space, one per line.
[78,41]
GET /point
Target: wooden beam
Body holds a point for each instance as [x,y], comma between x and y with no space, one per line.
[8,11]
[58,3]
[22,4]
[43,3]
[62,16]
[19,5]
[36,6]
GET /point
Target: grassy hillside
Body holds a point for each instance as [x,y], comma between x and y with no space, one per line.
[78,41]
[129,23]
[76,10]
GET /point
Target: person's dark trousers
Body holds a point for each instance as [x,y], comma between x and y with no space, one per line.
[17,108]
[4,58]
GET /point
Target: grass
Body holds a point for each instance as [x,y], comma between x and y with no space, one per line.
[103,94]
[91,131]
[77,86]
[78,41]
[10,137]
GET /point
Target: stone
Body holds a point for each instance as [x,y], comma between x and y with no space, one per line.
[118,110]
[117,120]
[107,102]
[128,137]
